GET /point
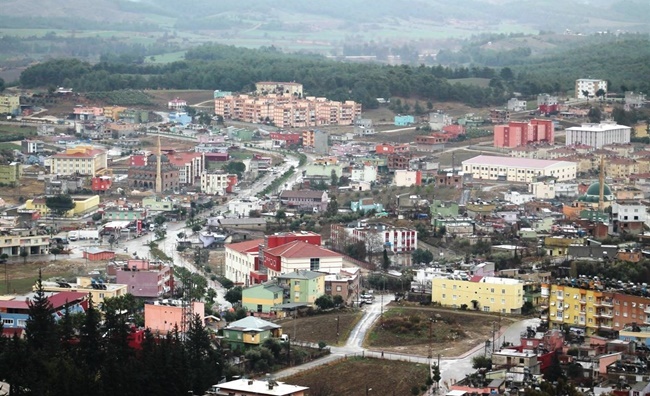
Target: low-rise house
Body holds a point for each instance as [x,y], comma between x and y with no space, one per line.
[251,387]
[366,204]
[302,286]
[250,332]
[243,207]
[14,241]
[98,254]
[82,205]
[345,283]
[14,309]
[305,200]
[407,178]
[263,297]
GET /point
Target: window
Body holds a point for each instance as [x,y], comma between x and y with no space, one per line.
[8,321]
[21,323]
[444,296]
[503,291]
[503,301]
[314,264]
[486,309]
[338,288]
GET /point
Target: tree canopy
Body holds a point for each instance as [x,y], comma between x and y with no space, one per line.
[59,204]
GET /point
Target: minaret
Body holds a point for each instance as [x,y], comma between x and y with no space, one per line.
[601,180]
[159,169]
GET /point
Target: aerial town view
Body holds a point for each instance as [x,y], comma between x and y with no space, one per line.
[396,197]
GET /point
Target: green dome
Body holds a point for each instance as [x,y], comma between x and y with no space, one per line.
[593,193]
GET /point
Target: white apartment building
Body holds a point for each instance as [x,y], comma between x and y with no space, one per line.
[407,178]
[243,207]
[517,198]
[487,167]
[598,135]
[515,104]
[590,86]
[214,183]
[240,260]
[365,173]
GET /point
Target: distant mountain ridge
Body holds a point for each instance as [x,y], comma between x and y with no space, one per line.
[543,15]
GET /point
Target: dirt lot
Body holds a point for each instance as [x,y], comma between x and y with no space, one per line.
[28,188]
[322,327]
[192,97]
[385,377]
[406,330]
[23,276]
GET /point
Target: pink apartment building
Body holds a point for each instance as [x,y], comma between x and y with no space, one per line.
[517,134]
[145,279]
[163,316]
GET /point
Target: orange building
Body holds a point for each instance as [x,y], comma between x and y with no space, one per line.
[163,316]
[521,133]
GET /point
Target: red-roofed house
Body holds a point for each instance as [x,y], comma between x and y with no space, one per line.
[15,309]
[299,255]
[242,259]
[454,130]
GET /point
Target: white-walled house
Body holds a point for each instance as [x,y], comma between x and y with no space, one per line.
[243,207]
[365,173]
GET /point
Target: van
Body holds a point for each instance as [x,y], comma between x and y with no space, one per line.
[152,227]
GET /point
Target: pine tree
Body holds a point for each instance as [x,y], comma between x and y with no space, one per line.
[90,347]
[41,326]
[202,358]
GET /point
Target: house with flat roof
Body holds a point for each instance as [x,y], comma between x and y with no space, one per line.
[251,387]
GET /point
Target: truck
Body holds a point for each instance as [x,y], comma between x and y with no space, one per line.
[76,235]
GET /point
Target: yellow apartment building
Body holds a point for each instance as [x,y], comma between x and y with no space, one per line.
[82,205]
[559,246]
[10,174]
[84,284]
[80,160]
[487,294]
[578,307]
[9,104]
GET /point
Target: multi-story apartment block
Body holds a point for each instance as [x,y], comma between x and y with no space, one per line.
[515,104]
[287,111]
[590,305]
[11,173]
[144,278]
[547,104]
[242,260]
[305,199]
[521,133]
[481,293]
[377,237]
[10,104]
[97,289]
[217,183]
[80,160]
[629,216]
[13,242]
[586,87]
[598,135]
[32,146]
[300,256]
[190,167]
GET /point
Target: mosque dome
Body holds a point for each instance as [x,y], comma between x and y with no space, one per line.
[593,193]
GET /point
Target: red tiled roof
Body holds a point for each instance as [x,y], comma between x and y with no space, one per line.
[300,249]
[247,246]
[182,158]
[59,299]
[475,278]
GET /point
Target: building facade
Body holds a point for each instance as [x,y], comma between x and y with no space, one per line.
[80,160]
[522,133]
[587,87]
[485,167]
[487,294]
[217,183]
[598,135]
[10,104]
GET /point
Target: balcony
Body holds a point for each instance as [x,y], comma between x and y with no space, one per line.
[598,303]
[607,315]
[607,303]
[583,302]
[647,309]
[560,297]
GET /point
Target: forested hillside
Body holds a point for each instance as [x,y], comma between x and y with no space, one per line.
[623,63]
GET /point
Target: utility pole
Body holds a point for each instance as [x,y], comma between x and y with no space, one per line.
[493,335]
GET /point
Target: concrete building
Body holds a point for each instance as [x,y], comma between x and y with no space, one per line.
[316,139]
[635,100]
[243,207]
[217,183]
[364,173]
[309,200]
[515,104]
[279,88]
[144,278]
[404,120]
[437,121]
[345,283]
[251,387]
[262,298]
[32,146]
[164,316]
[547,104]
[242,260]
[487,294]
[629,216]
[190,167]
[10,104]
[586,88]
[522,133]
[377,237]
[598,135]
[300,256]
[82,205]
[10,174]
[12,242]
[98,290]
[485,167]
[407,178]
[80,160]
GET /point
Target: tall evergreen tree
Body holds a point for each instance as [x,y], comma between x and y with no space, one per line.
[40,326]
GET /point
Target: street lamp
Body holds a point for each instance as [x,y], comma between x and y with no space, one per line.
[337,328]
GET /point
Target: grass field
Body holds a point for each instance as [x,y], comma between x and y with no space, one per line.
[322,327]
[166,58]
[384,377]
[9,146]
